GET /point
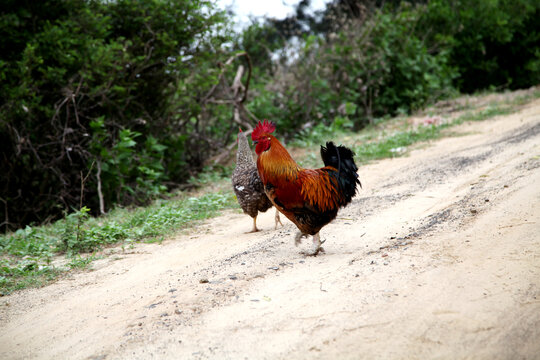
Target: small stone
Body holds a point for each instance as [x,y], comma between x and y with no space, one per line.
[151,306]
[203,281]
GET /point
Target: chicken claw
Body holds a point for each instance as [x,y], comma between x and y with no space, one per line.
[255,229]
[298,238]
[315,252]
[316,244]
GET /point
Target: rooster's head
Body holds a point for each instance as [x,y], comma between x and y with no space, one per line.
[261,135]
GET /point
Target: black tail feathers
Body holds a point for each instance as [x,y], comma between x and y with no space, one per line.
[342,158]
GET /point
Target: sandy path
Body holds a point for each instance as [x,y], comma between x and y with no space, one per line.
[438,257]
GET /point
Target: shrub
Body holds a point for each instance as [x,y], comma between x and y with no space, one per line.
[103,91]
[367,69]
[491,43]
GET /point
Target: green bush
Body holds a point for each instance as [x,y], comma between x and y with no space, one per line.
[107,102]
[106,94]
[367,69]
[398,58]
[385,69]
[491,43]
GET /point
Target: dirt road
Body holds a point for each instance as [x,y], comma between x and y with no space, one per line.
[438,257]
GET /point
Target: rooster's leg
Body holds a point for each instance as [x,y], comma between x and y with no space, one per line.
[254,225]
[298,238]
[316,245]
[278,220]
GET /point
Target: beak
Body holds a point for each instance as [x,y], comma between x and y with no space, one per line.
[255,142]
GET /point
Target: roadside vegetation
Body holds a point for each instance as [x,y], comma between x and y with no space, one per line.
[110,106]
[37,255]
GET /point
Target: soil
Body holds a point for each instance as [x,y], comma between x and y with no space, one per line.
[437,257]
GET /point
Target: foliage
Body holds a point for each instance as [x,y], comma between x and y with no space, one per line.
[108,102]
[103,91]
[28,253]
[303,21]
[366,69]
[260,41]
[385,69]
[392,57]
[492,43]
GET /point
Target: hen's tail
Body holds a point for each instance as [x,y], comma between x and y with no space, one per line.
[342,158]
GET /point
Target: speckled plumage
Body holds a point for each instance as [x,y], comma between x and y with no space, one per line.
[247,184]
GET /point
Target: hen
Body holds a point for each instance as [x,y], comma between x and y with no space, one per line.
[247,184]
[310,198]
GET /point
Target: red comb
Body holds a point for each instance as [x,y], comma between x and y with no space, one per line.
[265,127]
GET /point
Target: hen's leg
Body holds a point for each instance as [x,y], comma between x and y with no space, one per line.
[278,220]
[254,225]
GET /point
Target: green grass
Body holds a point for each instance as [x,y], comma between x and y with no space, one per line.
[394,145]
[489,112]
[397,143]
[29,255]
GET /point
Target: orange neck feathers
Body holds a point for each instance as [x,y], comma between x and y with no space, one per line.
[276,161]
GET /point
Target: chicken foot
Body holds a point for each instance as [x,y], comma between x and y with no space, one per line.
[316,243]
[298,238]
[254,225]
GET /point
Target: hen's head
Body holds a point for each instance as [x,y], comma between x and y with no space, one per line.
[239,132]
[260,135]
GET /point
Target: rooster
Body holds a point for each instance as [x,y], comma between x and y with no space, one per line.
[247,184]
[310,198]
